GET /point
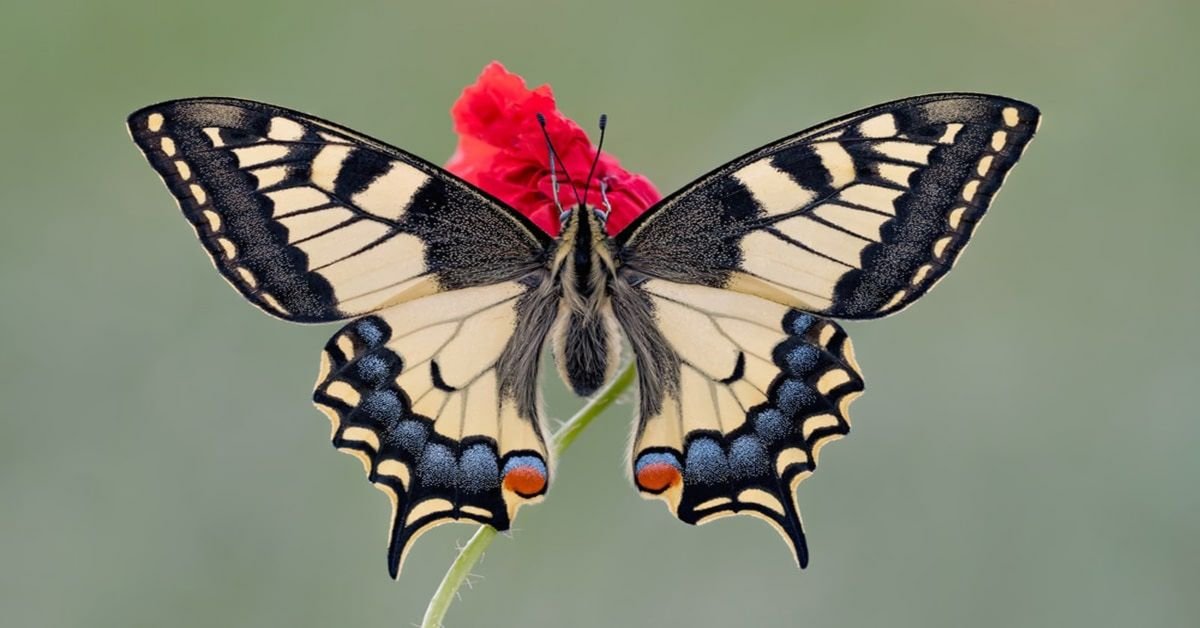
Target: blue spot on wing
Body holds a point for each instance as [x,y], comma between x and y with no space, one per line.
[373,369]
[748,457]
[369,332]
[803,359]
[437,466]
[705,463]
[382,406]
[794,396]
[797,323]
[771,425]
[410,436]
[479,471]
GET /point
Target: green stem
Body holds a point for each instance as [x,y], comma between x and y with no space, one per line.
[483,537]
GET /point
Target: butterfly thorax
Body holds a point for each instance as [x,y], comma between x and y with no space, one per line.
[585,339]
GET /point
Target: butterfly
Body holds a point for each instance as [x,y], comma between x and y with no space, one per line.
[726,291]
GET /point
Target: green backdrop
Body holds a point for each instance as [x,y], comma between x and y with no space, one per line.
[1025,455]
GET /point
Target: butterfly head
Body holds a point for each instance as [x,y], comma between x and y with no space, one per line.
[600,214]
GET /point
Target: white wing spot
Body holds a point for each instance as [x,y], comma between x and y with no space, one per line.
[394,468]
[198,194]
[247,277]
[968,192]
[789,457]
[985,164]
[168,146]
[939,247]
[214,220]
[955,216]
[922,273]
[274,304]
[826,334]
[879,126]
[832,379]
[154,122]
[951,133]
[228,247]
[761,498]
[998,140]
[905,151]
[896,299]
[1010,116]
[285,130]
[822,421]
[182,168]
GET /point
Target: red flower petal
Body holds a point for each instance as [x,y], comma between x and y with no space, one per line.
[502,151]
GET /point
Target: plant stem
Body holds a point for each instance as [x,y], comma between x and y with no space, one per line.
[483,537]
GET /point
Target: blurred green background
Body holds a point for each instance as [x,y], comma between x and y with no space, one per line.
[1025,456]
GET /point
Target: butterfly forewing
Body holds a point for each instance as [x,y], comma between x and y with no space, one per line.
[855,218]
[313,222]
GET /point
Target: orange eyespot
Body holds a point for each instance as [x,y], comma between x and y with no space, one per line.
[525,481]
[657,476]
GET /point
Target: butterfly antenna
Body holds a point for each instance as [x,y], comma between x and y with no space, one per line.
[554,157]
[604,197]
[554,183]
[595,160]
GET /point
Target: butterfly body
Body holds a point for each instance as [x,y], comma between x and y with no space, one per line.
[586,339]
[725,291]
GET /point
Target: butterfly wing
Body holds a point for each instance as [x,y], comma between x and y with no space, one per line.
[726,286]
[855,218]
[313,222]
[435,390]
[738,395]
[438,398]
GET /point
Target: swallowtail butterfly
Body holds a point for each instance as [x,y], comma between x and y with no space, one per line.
[727,292]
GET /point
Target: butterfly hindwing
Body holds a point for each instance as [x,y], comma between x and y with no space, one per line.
[313,222]
[438,398]
[856,218]
[741,396]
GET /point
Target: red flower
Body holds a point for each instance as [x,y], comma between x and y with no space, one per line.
[501,150]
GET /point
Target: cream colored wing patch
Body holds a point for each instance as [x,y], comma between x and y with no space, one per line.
[760,389]
[437,398]
[313,222]
[856,218]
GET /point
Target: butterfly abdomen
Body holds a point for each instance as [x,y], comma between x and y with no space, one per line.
[587,348]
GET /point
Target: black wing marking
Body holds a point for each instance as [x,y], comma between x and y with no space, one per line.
[438,398]
[855,218]
[313,222]
[744,395]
